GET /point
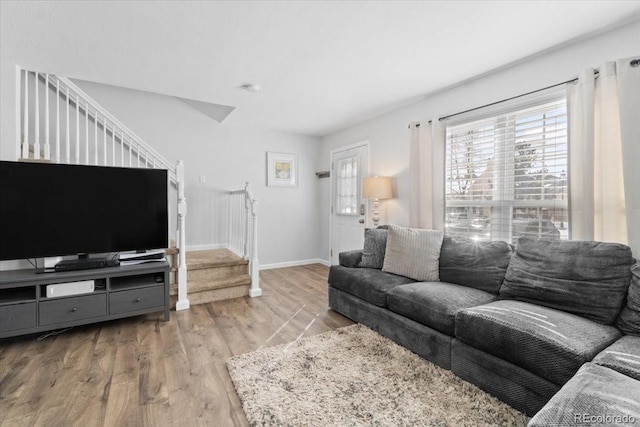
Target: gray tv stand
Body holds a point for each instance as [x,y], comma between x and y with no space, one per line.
[119,292]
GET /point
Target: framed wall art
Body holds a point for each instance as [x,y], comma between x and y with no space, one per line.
[282,170]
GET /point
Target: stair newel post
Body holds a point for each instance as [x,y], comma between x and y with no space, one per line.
[182,303]
[36,141]
[25,143]
[47,147]
[255,290]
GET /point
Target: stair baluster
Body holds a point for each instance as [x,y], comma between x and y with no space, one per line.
[104,142]
[36,142]
[25,142]
[67,147]
[95,140]
[77,153]
[86,134]
[47,147]
[57,158]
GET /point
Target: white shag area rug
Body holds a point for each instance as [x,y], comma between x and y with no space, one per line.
[355,377]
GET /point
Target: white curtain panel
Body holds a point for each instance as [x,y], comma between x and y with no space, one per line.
[604,154]
[628,77]
[426,165]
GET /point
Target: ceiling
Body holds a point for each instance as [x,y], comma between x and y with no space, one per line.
[321,65]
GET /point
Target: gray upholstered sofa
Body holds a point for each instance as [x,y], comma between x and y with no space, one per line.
[518,321]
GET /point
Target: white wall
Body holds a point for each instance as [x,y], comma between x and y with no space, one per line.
[389,135]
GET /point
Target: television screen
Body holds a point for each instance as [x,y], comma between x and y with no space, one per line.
[57,209]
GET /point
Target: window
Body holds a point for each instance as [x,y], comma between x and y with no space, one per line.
[506,175]
[347,186]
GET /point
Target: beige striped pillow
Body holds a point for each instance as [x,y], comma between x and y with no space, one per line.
[414,253]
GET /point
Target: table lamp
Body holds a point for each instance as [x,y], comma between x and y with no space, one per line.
[376,188]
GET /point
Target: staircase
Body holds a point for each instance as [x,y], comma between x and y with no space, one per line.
[219,274]
[60,123]
[215,275]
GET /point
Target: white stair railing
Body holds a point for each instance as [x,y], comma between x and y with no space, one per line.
[84,132]
[243,232]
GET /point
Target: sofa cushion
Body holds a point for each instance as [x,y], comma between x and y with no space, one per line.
[481,265]
[435,304]
[589,279]
[413,252]
[595,396]
[629,318]
[549,343]
[375,243]
[622,356]
[369,284]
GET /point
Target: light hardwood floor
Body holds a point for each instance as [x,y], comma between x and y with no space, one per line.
[143,371]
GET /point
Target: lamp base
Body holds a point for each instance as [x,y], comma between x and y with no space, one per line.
[376,215]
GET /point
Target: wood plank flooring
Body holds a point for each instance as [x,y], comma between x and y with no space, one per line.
[145,372]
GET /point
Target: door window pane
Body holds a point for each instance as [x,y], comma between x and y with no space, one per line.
[347,188]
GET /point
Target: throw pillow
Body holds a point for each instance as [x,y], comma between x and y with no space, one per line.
[476,264]
[413,252]
[350,259]
[629,319]
[375,243]
[586,278]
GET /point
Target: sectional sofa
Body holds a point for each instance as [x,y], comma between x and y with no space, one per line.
[547,326]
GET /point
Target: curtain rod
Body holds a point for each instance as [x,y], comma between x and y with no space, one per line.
[505,100]
[509,99]
[634,63]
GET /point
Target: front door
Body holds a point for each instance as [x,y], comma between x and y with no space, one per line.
[348,214]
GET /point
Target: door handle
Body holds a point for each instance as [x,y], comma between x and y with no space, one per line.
[361,221]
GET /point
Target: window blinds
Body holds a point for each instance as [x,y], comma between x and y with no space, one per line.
[506,175]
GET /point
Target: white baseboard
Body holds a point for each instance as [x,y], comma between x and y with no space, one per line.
[262,266]
[324,262]
[293,263]
[207,247]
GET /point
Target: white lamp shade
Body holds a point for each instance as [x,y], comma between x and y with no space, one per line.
[376,187]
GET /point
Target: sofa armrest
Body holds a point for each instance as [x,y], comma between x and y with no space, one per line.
[350,258]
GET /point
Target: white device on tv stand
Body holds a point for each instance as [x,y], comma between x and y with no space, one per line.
[70,288]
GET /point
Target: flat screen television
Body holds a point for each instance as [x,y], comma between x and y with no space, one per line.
[49,210]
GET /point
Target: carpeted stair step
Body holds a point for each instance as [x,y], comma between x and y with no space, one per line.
[215,290]
[215,272]
[197,260]
[214,275]
[194,287]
